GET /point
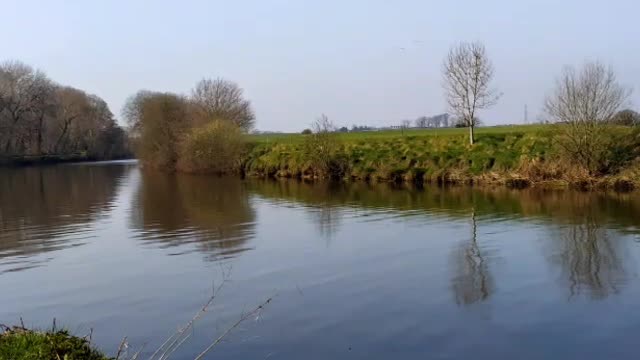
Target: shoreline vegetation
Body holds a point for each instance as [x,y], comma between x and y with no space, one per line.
[587,141]
[22,343]
[513,156]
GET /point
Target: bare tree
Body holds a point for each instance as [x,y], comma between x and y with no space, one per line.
[39,117]
[583,103]
[323,125]
[220,99]
[422,122]
[23,91]
[73,104]
[405,124]
[467,73]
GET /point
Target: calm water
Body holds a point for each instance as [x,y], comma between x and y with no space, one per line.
[356,271]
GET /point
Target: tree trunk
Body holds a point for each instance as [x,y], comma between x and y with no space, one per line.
[471,138]
[40,125]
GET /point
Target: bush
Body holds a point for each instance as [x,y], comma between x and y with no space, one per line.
[307,132]
[322,150]
[163,120]
[214,148]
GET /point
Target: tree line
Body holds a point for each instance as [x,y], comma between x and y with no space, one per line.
[39,117]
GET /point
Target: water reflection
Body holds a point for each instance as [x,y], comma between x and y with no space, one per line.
[591,258]
[213,214]
[43,209]
[589,231]
[586,235]
[472,281]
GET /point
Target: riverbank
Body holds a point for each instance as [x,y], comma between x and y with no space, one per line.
[41,159]
[35,160]
[512,156]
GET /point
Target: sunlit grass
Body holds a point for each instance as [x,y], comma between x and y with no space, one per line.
[392,134]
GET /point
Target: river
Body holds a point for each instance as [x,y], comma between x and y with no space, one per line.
[356,271]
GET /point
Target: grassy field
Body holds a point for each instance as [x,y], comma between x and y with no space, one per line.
[390,134]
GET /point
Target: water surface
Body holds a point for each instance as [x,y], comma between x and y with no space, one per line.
[356,271]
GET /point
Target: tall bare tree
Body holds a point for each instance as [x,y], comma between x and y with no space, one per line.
[220,99]
[583,103]
[23,93]
[467,73]
[73,105]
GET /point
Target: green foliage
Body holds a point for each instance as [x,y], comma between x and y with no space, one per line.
[20,344]
[214,148]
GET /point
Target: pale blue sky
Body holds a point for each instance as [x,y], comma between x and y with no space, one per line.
[298,59]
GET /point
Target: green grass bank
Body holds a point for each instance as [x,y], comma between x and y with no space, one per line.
[18,343]
[515,156]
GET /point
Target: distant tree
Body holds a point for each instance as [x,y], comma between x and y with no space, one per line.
[404,125]
[626,117]
[113,143]
[306,132]
[422,122]
[219,99]
[344,129]
[39,117]
[584,103]
[460,123]
[467,73]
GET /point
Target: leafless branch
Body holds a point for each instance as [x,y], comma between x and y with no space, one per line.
[242,319]
[179,337]
[582,105]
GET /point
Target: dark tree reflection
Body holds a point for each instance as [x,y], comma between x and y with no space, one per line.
[591,258]
[472,281]
[48,208]
[210,214]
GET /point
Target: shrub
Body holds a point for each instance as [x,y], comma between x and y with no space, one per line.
[163,121]
[214,148]
[322,150]
[307,132]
